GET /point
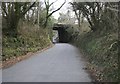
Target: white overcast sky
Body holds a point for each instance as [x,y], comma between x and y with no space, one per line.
[57,4]
[63,9]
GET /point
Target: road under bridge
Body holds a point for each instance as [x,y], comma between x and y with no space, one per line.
[63,35]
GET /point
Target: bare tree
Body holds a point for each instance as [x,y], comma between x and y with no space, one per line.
[48,5]
[90,10]
[13,12]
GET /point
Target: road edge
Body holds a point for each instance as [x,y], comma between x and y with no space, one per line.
[13,61]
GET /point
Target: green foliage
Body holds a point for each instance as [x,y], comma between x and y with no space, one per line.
[102,52]
[28,35]
[100,45]
[42,17]
[31,39]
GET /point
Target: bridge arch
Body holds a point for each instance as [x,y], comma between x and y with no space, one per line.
[62,33]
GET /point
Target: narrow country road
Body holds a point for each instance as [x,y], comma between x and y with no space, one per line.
[61,63]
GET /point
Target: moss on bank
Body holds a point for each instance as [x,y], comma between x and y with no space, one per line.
[102,54]
[101,50]
[30,39]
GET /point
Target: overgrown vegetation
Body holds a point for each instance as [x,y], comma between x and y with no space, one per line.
[26,27]
[102,53]
[99,42]
[31,39]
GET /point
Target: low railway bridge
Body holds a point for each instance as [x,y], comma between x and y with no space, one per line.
[63,35]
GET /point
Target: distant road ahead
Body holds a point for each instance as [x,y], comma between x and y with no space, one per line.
[61,63]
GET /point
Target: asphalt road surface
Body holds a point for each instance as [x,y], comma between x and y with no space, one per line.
[61,63]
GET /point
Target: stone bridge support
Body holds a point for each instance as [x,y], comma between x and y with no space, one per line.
[62,33]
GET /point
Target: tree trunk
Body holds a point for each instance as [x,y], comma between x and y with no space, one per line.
[79,19]
[12,24]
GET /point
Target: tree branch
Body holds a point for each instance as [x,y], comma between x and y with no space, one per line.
[56,10]
[28,8]
[47,14]
[53,3]
[4,9]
